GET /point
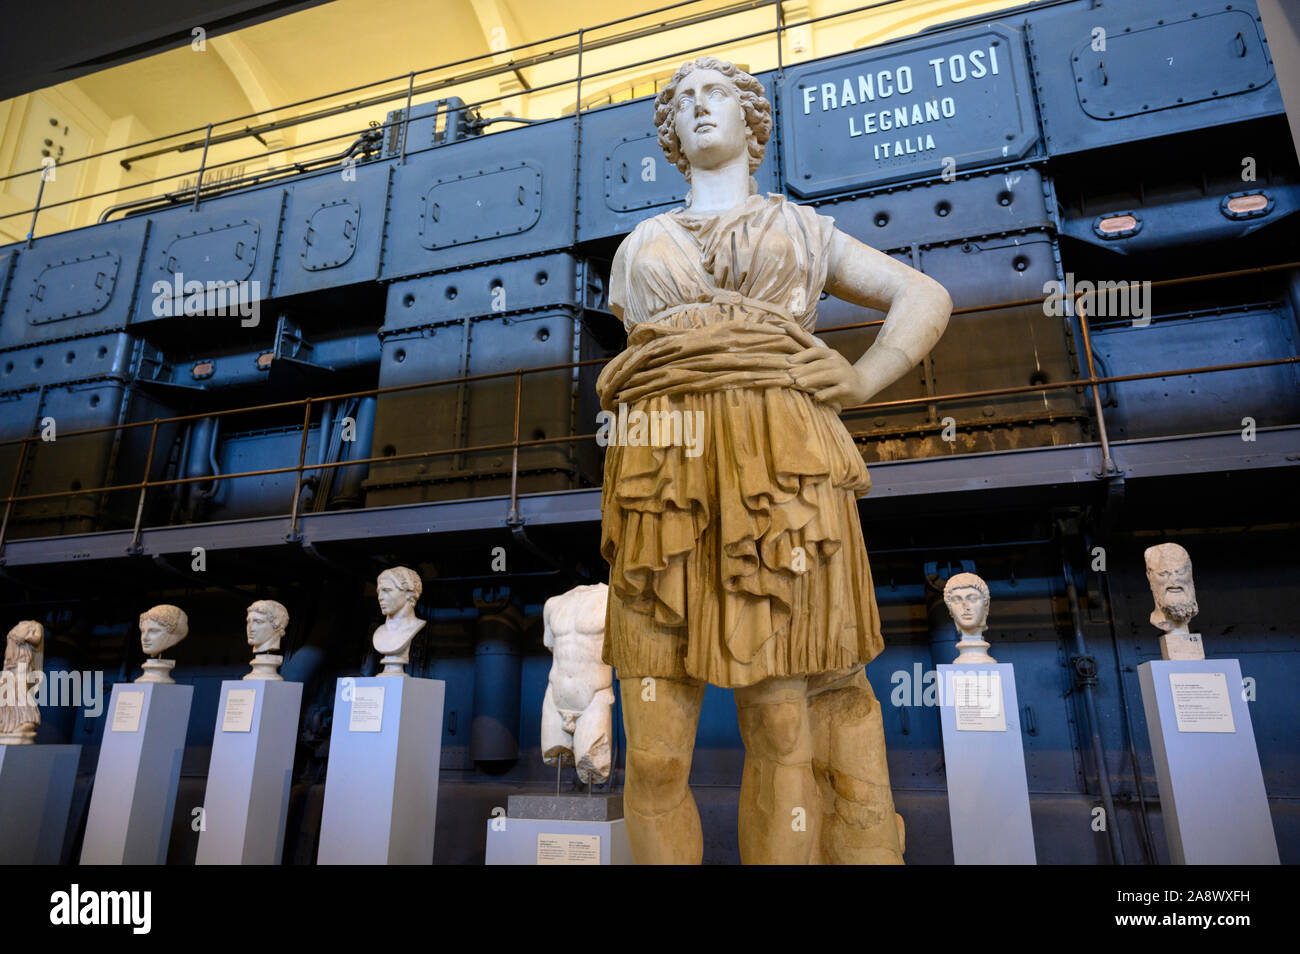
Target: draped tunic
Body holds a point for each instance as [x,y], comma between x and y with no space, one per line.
[737,556]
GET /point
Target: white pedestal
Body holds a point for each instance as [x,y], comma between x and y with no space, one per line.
[381,790]
[36,784]
[984,757]
[139,768]
[531,841]
[1212,796]
[247,799]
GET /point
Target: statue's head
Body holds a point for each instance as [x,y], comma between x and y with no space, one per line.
[967,599]
[1169,571]
[397,588]
[711,112]
[24,644]
[265,624]
[161,628]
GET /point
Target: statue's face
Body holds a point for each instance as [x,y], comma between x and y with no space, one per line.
[709,120]
[1170,576]
[391,596]
[155,637]
[968,607]
[260,629]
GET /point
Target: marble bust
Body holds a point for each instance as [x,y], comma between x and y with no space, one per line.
[967,599]
[398,590]
[161,628]
[1169,573]
[576,725]
[24,662]
[265,624]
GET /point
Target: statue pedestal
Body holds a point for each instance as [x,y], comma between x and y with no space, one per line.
[139,767]
[984,756]
[1212,796]
[381,787]
[36,784]
[247,800]
[560,830]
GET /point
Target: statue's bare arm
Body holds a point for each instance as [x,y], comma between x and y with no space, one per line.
[917,310]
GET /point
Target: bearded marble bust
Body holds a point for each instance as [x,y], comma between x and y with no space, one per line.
[1169,573]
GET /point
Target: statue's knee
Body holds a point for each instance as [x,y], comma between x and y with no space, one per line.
[656,780]
[777,730]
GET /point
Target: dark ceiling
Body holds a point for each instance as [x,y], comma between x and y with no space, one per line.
[50,42]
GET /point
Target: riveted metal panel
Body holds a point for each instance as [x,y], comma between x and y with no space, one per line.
[229,239]
[72,283]
[331,237]
[479,216]
[632,175]
[1167,66]
[1198,402]
[907,110]
[71,289]
[477,206]
[984,203]
[499,288]
[319,249]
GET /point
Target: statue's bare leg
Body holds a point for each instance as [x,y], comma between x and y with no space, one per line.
[780,806]
[859,825]
[556,743]
[663,823]
[591,747]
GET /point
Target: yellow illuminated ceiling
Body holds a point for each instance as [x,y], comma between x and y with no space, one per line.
[348,43]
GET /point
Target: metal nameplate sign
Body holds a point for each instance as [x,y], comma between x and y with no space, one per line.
[917,109]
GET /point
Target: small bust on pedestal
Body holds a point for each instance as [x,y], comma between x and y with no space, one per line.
[265,625]
[24,662]
[398,590]
[1169,571]
[161,628]
[967,599]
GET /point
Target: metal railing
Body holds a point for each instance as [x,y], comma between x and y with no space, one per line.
[212,134]
[1092,381]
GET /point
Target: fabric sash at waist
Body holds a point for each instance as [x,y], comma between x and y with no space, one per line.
[661,359]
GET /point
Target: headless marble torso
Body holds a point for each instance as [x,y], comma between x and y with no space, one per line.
[575,633]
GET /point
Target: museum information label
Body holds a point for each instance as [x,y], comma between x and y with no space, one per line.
[126,717]
[568,849]
[367,709]
[238,716]
[1201,702]
[977,702]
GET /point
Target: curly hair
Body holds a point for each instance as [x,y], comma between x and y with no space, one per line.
[757,109]
[405,579]
[963,581]
[172,618]
[275,613]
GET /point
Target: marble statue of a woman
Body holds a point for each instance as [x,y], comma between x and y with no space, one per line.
[22,673]
[742,563]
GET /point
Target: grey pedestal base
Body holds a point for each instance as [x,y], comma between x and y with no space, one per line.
[381,787]
[532,841]
[36,783]
[595,807]
[988,792]
[1212,796]
[247,799]
[134,796]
